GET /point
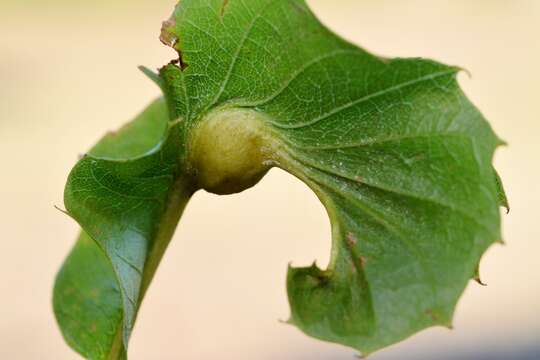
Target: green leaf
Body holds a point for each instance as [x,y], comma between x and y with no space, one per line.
[503,200]
[138,137]
[127,194]
[400,158]
[398,155]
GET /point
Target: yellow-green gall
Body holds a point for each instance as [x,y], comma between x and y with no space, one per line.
[230,150]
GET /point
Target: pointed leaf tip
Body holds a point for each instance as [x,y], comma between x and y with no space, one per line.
[151,75]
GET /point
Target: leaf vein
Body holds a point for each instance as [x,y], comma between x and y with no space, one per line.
[361,100]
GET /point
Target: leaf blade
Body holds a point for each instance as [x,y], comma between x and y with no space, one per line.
[392,147]
[118,193]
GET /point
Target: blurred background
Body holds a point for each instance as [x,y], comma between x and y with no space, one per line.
[68,74]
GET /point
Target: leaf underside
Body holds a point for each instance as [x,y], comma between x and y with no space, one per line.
[99,284]
[400,158]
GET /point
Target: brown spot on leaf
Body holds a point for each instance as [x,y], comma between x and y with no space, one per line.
[351,239]
[223,6]
[362,260]
[434,316]
[167,37]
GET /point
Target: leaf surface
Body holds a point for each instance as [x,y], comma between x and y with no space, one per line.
[393,148]
[398,155]
[127,194]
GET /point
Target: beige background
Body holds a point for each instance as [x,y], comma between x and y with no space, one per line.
[68,74]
